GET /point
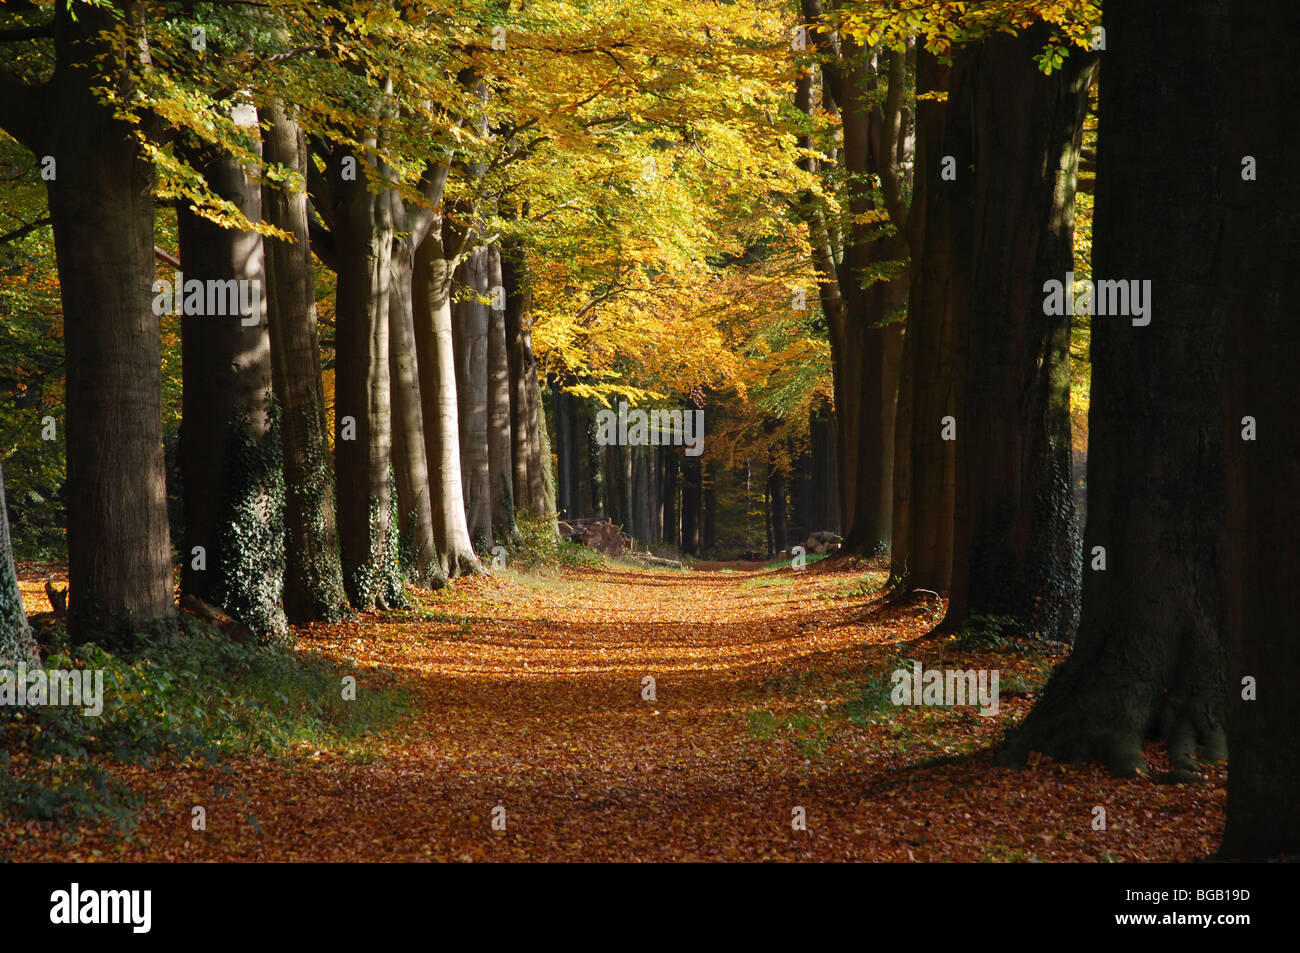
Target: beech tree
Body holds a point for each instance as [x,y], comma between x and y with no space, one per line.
[1147,662]
[100,182]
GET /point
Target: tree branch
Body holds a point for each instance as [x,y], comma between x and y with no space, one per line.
[18,233]
[887,159]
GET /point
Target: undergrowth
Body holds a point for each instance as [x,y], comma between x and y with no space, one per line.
[192,698]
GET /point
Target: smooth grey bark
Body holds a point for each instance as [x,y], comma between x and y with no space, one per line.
[431,286]
[410,460]
[469,323]
[500,463]
[362,227]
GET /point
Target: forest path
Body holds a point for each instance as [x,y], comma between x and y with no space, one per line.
[771,694]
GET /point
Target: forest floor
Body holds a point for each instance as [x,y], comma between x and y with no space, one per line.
[526,700]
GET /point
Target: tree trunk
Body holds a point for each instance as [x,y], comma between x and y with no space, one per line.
[102,209]
[691,505]
[230,458]
[709,534]
[435,361]
[410,459]
[518,300]
[1261,247]
[313,582]
[933,364]
[541,482]
[469,324]
[776,507]
[670,531]
[16,642]
[363,448]
[1147,662]
[500,465]
[1015,547]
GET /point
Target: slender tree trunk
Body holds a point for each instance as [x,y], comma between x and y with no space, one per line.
[436,364]
[1261,248]
[500,465]
[1148,659]
[518,299]
[776,507]
[1016,547]
[564,453]
[313,583]
[469,333]
[691,505]
[708,474]
[670,533]
[230,458]
[541,479]
[410,459]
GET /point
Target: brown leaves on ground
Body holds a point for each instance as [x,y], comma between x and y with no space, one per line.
[527,695]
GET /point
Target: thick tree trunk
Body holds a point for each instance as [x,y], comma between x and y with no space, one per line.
[230,458]
[1148,659]
[410,460]
[939,225]
[436,364]
[1261,248]
[313,583]
[102,207]
[500,464]
[1016,547]
[469,324]
[363,398]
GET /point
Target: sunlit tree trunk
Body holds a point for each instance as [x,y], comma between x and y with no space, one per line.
[437,369]
[230,459]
